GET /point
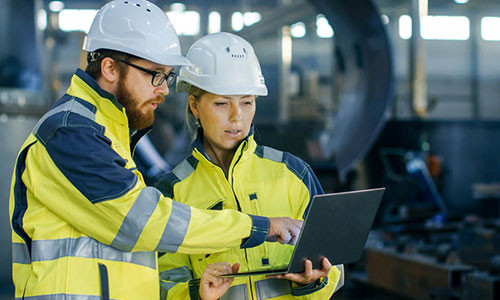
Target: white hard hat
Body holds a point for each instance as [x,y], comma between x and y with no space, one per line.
[223,64]
[136,27]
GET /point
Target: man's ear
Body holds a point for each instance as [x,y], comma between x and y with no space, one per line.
[109,70]
[193,105]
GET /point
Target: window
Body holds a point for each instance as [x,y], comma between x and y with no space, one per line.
[323,28]
[490,28]
[237,21]
[76,19]
[185,22]
[437,27]
[214,22]
[405,27]
[445,28]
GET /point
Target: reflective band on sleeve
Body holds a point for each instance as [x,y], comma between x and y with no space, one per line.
[271,288]
[341,278]
[45,250]
[176,228]
[136,219]
[239,292]
[62,297]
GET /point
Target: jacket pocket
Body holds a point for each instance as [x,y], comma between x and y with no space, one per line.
[103,274]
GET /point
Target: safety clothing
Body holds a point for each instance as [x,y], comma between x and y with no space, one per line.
[136,27]
[223,64]
[262,181]
[85,226]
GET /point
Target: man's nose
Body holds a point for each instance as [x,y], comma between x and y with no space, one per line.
[163,89]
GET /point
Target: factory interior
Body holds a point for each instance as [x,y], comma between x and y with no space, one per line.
[401,94]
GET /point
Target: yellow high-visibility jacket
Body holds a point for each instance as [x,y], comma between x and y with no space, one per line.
[261,181]
[84,224]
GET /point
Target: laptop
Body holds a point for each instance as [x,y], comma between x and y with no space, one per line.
[336,227]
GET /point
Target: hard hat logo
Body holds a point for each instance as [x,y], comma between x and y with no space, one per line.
[223,64]
[135,27]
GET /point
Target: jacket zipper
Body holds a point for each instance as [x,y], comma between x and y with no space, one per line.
[239,209]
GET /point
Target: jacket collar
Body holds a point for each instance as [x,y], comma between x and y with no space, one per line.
[88,80]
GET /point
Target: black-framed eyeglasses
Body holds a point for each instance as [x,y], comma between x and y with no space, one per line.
[157,77]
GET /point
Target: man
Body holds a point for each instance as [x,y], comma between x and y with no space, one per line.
[85,226]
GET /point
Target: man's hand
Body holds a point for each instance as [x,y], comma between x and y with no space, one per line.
[212,285]
[309,275]
[284,230]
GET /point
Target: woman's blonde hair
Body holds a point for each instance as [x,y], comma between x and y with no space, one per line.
[192,123]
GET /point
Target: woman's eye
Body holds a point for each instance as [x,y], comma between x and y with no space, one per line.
[248,103]
[220,103]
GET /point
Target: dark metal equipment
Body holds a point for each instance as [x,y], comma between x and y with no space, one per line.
[415,276]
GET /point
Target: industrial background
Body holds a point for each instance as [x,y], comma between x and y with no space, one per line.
[397,93]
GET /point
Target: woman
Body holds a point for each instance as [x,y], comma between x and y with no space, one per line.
[228,170]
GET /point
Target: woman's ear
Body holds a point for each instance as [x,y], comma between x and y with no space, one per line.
[193,105]
[109,70]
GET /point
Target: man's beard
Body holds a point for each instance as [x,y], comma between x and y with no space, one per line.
[139,117]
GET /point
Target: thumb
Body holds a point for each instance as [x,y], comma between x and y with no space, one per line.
[236,267]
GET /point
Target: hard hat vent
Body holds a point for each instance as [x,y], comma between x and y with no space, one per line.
[138,5]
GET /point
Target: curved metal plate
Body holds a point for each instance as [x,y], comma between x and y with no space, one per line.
[364,53]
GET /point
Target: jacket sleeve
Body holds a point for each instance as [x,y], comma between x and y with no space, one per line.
[81,179]
[303,192]
[322,288]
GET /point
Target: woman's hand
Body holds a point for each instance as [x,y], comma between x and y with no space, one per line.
[212,285]
[309,275]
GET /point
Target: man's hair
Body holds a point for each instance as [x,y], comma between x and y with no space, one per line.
[95,58]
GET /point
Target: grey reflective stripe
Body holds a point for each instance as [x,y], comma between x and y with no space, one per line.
[170,278]
[183,170]
[271,288]
[20,254]
[176,229]
[86,247]
[238,292]
[136,219]
[341,278]
[272,154]
[62,297]
[181,274]
[73,106]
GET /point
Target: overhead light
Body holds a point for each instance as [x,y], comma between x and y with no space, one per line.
[461,1]
[385,19]
[177,6]
[56,6]
[250,18]
[298,30]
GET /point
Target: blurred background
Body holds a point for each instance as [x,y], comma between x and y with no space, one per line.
[396,93]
